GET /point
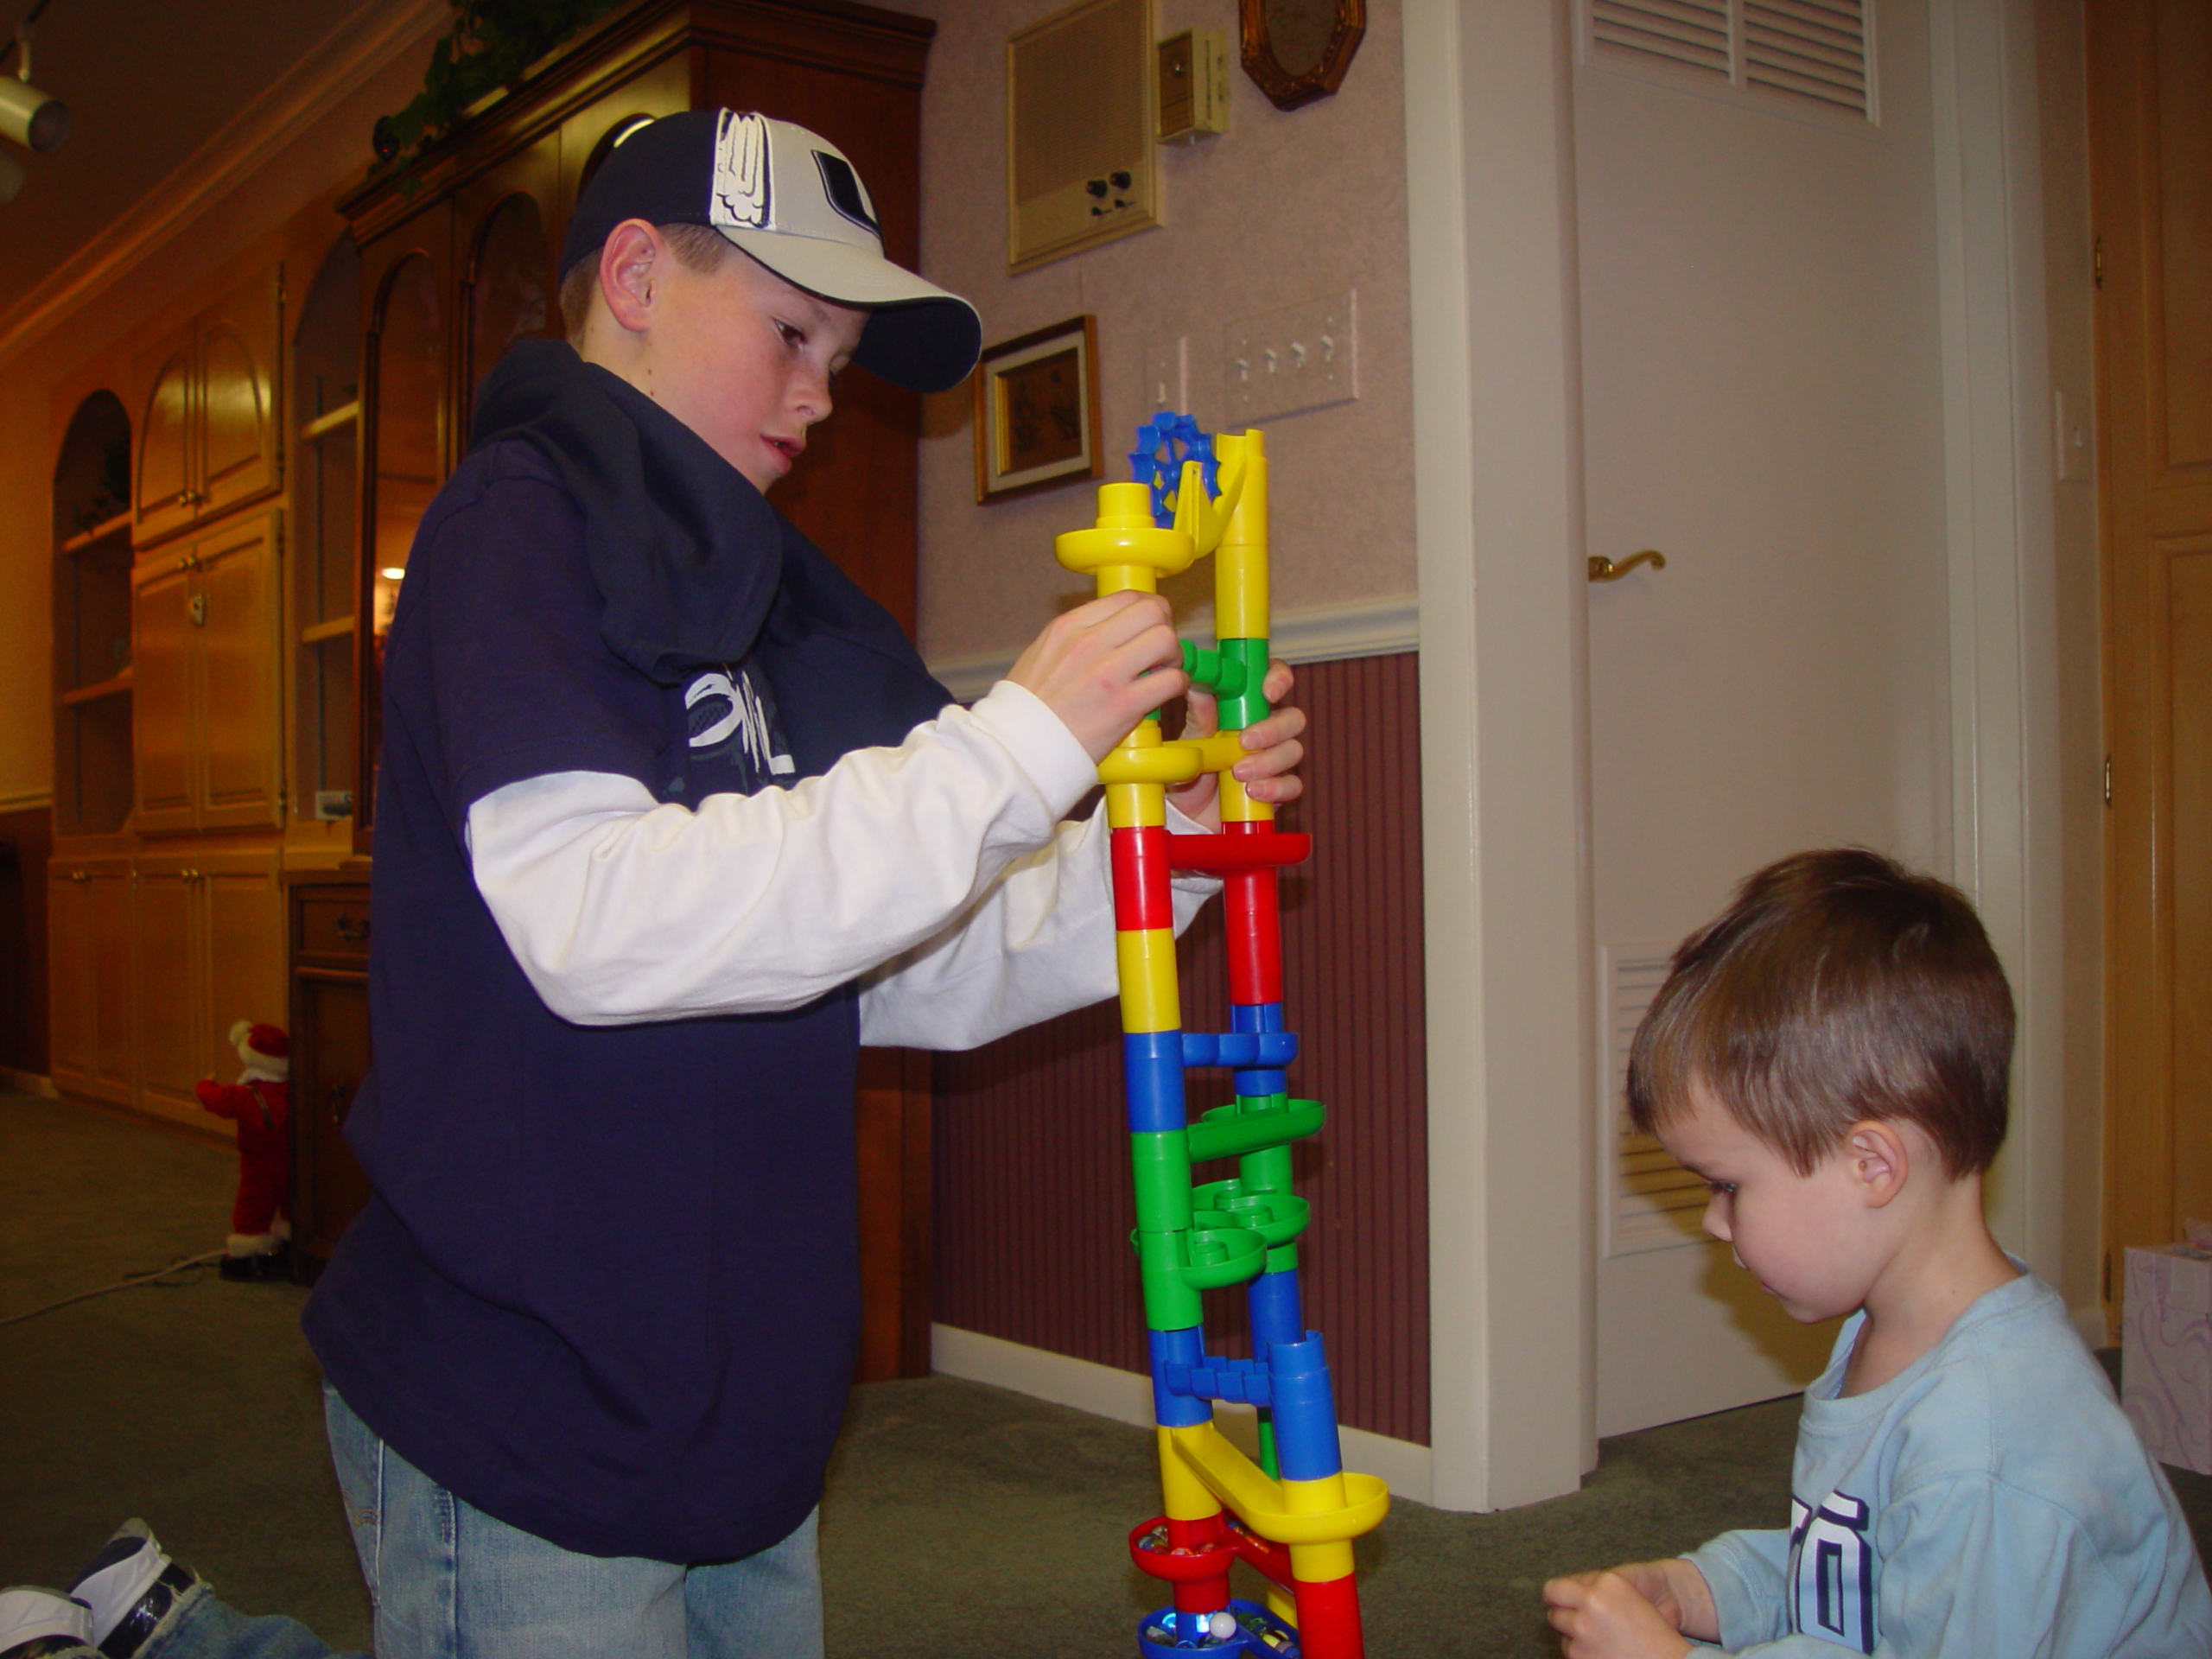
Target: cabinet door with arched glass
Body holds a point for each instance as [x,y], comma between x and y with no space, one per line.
[407,447]
[507,287]
[326,407]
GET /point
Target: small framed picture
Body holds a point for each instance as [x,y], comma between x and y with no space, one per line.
[1037,411]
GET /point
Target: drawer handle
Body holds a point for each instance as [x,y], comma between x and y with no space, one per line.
[351,932]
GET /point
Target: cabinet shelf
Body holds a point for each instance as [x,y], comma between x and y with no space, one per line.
[331,421]
[116,686]
[338,627]
[118,525]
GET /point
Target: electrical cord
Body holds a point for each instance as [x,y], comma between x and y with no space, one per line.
[159,1278]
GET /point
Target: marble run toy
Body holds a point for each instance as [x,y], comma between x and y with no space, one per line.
[1293,1514]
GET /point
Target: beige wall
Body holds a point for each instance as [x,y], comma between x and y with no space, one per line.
[1281,208]
[332,149]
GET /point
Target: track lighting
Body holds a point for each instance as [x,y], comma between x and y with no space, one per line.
[28,115]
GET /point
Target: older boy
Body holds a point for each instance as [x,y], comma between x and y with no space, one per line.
[1832,1055]
[670,820]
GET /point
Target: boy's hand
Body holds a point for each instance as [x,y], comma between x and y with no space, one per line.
[1103,666]
[1628,1612]
[1271,749]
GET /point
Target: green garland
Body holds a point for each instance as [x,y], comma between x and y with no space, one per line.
[492,43]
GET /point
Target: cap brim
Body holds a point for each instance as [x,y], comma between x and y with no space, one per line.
[920,337]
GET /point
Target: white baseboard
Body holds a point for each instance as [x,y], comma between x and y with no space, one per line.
[26,1083]
[1126,1397]
[1324,634]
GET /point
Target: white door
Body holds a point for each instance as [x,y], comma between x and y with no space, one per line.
[1762,404]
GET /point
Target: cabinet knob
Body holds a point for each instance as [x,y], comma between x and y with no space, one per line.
[80,876]
[351,932]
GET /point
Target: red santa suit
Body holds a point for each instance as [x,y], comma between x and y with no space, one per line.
[259,1102]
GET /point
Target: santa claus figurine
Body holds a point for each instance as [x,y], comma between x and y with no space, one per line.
[259,1102]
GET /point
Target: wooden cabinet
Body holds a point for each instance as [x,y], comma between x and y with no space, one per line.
[91,620]
[328,924]
[207,435]
[209,951]
[206,660]
[90,983]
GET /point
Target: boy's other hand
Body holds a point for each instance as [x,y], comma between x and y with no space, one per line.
[1614,1614]
[1103,666]
[1271,750]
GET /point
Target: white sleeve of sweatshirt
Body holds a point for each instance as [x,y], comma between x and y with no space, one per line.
[930,859]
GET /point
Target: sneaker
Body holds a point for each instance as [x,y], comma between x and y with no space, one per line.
[35,1624]
[131,1587]
[262,1267]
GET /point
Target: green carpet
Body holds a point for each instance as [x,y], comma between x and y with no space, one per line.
[960,1520]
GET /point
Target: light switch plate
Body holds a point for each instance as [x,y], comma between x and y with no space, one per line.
[1285,362]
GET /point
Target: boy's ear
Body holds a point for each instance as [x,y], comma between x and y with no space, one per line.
[1880,1159]
[630,266]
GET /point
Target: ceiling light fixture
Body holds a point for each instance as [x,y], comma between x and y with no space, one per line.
[29,116]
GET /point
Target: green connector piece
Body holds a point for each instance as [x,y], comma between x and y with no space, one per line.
[1228,1132]
[1161,1162]
[1170,1304]
[1266,1170]
[1283,1259]
[1224,676]
[1245,661]
[1268,1465]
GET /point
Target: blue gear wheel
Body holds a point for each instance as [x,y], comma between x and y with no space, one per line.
[1164,443]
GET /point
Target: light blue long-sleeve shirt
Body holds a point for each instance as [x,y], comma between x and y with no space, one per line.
[1988,1500]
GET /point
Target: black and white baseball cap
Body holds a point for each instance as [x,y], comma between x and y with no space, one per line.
[792,200]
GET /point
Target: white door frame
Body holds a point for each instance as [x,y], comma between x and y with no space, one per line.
[1505,725]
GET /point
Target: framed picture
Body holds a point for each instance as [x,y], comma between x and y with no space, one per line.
[1037,411]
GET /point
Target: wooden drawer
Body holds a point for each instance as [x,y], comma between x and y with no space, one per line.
[332,924]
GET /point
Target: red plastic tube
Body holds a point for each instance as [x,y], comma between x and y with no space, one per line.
[1252,927]
[1328,1619]
[1245,847]
[1141,899]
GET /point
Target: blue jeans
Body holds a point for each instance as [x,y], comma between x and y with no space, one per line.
[449,1582]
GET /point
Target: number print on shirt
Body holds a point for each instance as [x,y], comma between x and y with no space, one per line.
[1832,1572]
[727,712]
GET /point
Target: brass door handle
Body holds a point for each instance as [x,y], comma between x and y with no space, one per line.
[1604,569]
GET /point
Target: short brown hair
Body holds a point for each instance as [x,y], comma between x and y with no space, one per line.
[699,247]
[1838,986]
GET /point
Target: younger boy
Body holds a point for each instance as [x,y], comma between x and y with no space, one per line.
[1831,1055]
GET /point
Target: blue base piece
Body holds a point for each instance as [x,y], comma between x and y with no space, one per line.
[1152,1080]
[1241,1382]
[1259,1633]
[1157,463]
[1240,1048]
[1174,1353]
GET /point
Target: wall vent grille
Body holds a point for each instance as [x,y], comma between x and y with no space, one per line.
[1652,1202]
[1775,53]
[1813,47]
[1694,32]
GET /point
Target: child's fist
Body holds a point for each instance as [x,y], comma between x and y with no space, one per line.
[1103,666]
[1609,1616]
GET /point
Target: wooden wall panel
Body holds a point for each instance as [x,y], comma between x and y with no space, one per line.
[1032,1197]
